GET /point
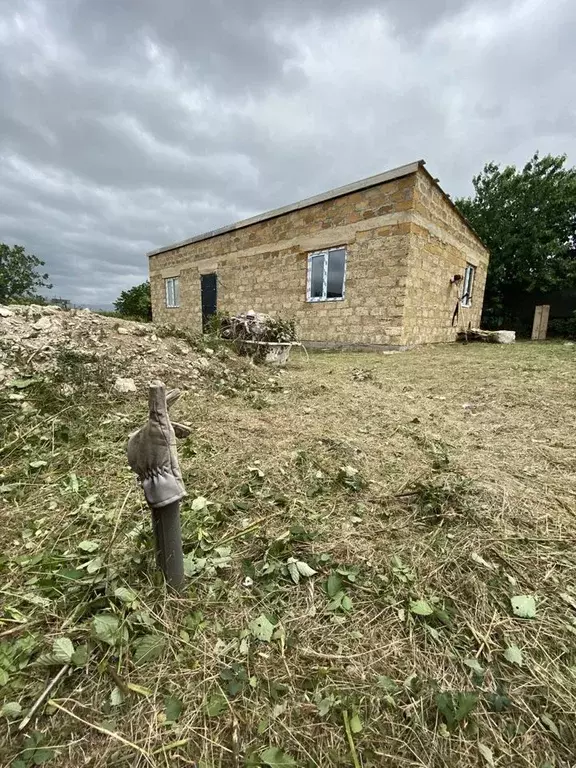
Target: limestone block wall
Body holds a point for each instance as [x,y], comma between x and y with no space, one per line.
[404,242]
[264,267]
[441,245]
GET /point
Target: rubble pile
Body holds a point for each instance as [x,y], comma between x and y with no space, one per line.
[257,327]
[33,337]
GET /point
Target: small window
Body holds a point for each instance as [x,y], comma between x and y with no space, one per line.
[468,287]
[172,291]
[326,275]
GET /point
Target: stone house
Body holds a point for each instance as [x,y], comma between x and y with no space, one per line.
[374,263]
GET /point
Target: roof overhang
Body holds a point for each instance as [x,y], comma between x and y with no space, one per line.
[356,186]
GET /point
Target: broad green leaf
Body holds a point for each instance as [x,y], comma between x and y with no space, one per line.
[21,383]
[10,709]
[466,703]
[455,706]
[199,503]
[333,585]
[336,602]
[106,628]
[498,702]
[93,566]
[116,697]
[523,606]
[172,708]
[324,706]
[43,755]
[293,571]
[421,608]
[193,564]
[513,654]
[216,705]
[487,754]
[88,546]
[148,648]
[346,603]
[355,724]
[62,650]
[475,666]
[304,569]
[274,757]
[262,628]
[125,595]
[3,677]
[387,684]
[262,726]
[80,656]
[550,724]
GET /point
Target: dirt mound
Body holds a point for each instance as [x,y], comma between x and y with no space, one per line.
[35,339]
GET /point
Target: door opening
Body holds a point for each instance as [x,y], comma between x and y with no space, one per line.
[208,288]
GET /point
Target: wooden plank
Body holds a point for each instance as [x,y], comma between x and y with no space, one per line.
[540,324]
[544,320]
[536,323]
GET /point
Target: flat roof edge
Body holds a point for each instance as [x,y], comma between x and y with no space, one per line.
[356,186]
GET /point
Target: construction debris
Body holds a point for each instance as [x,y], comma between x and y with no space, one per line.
[37,339]
[492,337]
[261,337]
[259,327]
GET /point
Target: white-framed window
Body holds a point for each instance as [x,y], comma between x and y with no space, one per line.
[326,275]
[468,287]
[172,286]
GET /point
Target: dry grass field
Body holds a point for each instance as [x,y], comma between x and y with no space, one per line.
[380,557]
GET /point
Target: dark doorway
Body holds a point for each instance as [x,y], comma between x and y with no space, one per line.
[209,298]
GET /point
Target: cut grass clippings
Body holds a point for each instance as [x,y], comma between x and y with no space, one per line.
[380,569]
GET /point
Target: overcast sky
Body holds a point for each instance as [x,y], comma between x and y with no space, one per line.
[126,125]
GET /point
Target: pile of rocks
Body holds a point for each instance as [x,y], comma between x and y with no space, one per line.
[32,336]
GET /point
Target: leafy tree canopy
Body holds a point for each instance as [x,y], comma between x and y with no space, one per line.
[20,277]
[135,302]
[527,219]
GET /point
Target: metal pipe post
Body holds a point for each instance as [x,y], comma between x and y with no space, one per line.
[168,544]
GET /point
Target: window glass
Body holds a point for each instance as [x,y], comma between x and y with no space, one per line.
[317,277]
[468,285]
[335,282]
[172,292]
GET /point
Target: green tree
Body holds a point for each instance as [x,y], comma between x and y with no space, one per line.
[135,302]
[20,277]
[527,219]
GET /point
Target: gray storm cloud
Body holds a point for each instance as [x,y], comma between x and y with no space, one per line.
[131,124]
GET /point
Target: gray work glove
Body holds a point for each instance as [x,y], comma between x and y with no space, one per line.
[152,450]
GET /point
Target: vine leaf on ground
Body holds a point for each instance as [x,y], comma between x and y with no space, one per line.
[216,705]
[262,628]
[62,650]
[550,724]
[274,757]
[355,724]
[148,648]
[333,585]
[172,708]
[106,628]
[10,709]
[421,607]
[298,568]
[523,606]
[487,754]
[513,654]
